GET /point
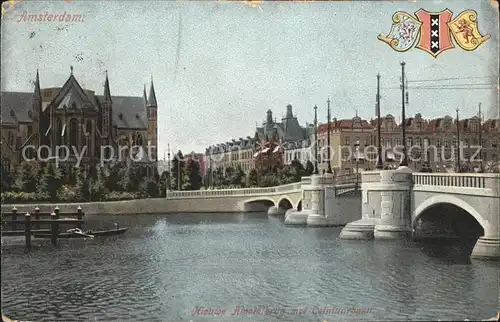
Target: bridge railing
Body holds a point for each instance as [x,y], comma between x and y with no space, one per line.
[350,178]
[215,193]
[466,180]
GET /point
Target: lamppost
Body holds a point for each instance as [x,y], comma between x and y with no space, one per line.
[169,173]
[316,140]
[404,160]
[481,167]
[357,163]
[379,165]
[459,148]
[329,169]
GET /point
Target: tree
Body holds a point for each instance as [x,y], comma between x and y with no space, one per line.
[54,180]
[98,185]
[193,175]
[42,187]
[228,175]
[149,187]
[309,168]
[27,177]
[252,180]
[162,184]
[113,178]
[177,171]
[82,189]
[7,177]
[238,177]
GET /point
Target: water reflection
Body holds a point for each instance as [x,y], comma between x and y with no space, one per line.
[165,266]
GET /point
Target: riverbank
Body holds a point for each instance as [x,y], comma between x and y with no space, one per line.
[137,206]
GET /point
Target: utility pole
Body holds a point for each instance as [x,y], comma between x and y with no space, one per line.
[178,172]
[404,159]
[169,167]
[316,140]
[481,166]
[329,169]
[458,143]
[379,165]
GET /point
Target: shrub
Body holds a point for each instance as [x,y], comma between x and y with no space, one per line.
[66,194]
[19,197]
[120,195]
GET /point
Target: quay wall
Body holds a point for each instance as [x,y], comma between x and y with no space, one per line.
[137,206]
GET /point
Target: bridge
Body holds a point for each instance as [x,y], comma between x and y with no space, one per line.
[401,204]
[388,204]
[298,197]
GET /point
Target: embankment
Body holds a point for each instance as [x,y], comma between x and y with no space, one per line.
[138,206]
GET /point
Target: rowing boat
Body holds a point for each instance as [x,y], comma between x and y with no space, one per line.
[88,234]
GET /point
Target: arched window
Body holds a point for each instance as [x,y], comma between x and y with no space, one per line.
[11,139]
[139,140]
[88,139]
[73,133]
[59,132]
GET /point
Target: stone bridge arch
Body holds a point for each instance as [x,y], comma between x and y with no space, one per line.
[258,204]
[443,200]
[285,203]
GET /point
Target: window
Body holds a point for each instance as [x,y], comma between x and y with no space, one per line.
[418,141]
[446,126]
[73,134]
[59,132]
[11,139]
[438,143]
[105,120]
[345,155]
[446,143]
[419,126]
[347,141]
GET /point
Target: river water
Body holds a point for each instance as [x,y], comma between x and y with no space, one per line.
[244,267]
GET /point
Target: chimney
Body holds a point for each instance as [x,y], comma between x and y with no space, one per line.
[289,113]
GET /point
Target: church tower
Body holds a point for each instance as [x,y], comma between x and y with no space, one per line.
[40,121]
[152,108]
[107,113]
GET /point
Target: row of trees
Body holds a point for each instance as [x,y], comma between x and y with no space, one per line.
[40,181]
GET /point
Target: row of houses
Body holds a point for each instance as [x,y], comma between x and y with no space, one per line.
[439,144]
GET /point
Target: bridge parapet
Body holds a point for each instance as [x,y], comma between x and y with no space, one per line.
[242,192]
[465,181]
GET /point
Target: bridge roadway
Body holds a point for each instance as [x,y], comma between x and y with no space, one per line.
[388,204]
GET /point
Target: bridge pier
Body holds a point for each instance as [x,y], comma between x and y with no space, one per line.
[370,209]
[316,217]
[395,215]
[276,211]
[487,248]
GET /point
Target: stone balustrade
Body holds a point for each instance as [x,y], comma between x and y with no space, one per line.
[466,180]
[220,193]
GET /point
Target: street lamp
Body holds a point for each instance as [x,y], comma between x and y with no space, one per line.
[316,140]
[379,165]
[404,159]
[329,169]
[357,163]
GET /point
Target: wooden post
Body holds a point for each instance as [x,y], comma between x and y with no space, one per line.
[27,230]
[79,217]
[14,218]
[37,217]
[54,228]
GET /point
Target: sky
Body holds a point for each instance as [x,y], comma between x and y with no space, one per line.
[219,66]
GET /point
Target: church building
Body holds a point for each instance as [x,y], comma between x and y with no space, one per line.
[34,125]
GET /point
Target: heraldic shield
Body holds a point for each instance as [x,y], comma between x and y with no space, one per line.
[435,35]
[404,32]
[465,31]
